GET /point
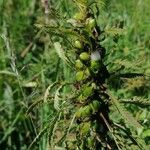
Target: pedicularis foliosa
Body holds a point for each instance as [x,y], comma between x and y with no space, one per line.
[91,73]
[93,129]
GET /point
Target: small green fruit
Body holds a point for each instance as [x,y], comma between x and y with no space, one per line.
[95,66]
[78,44]
[87,111]
[95,105]
[85,127]
[81,98]
[80,75]
[79,16]
[90,142]
[87,91]
[90,23]
[84,56]
[78,114]
[79,64]
[87,73]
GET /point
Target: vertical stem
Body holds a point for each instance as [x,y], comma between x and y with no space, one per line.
[46,6]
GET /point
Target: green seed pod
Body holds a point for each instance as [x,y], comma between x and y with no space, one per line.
[81,98]
[78,44]
[78,114]
[87,91]
[70,145]
[85,127]
[79,64]
[90,23]
[79,16]
[95,105]
[80,75]
[87,111]
[84,56]
[90,142]
[96,66]
[87,72]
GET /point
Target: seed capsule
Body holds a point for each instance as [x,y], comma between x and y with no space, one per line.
[87,91]
[79,75]
[78,44]
[84,56]
[95,66]
[90,142]
[90,23]
[82,75]
[95,105]
[78,114]
[79,64]
[85,127]
[79,16]
[87,111]
[87,72]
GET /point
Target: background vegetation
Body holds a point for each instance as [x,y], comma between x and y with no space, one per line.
[29,64]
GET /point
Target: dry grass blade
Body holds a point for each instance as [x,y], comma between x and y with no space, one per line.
[46,94]
[57,98]
[33,105]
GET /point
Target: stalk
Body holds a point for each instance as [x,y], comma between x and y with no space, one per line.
[92,101]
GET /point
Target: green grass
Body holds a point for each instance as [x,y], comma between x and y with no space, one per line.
[24,80]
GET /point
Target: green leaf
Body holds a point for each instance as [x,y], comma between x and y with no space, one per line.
[57,98]
[127,116]
[114,31]
[138,102]
[61,52]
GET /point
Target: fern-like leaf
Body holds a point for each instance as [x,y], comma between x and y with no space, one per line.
[127,116]
[138,102]
[60,52]
[49,126]
[127,75]
[114,31]
[57,98]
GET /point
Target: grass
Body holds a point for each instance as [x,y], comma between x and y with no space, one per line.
[24,79]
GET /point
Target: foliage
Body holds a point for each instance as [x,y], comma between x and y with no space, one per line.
[41,101]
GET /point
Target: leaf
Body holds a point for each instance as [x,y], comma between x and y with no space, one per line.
[114,31]
[146,133]
[6,72]
[57,98]
[61,53]
[127,75]
[67,131]
[52,128]
[127,116]
[138,102]
[49,126]
[46,94]
[12,127]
